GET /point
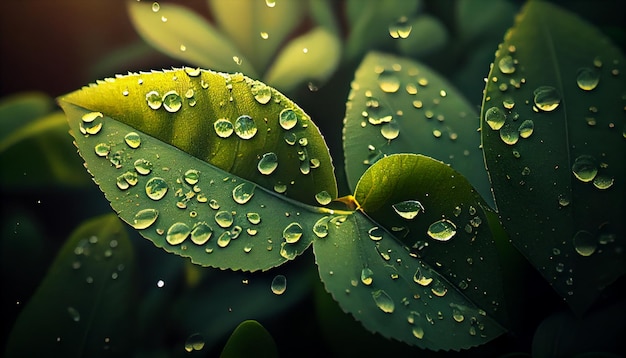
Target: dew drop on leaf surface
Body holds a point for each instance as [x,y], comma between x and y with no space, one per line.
[279,284]
[194,342]
[383,301]
[442,230]
[408,209]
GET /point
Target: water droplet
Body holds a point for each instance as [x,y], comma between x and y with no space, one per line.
[288,118]
[375,233]
[261,93]
[280,188]
[264,35]
[585,168]
[74,314]
[390,130]
[509,134]
[223,127]
[194,342]
[367,276]
[237,60]
[154,100]
[421,279]
[268,163]
[603,182]
[388,81]
[102,149]
[156,188]
[546,98]
[526,128]
[508,103]
[292,233]
[279,284]
[585,243]
[201,233]
[192,176]
[320,228]
[177,233]
[401,28]
[144,218]
[587,79]
[192,72]
[323,198]
[408,209]
[442,230]
[495,118]
[418,332]
[245,128]
[506,64]
[143,166]
[91,123]
[243,192]
[224,239]
[287,251]
[457,315]
[253,218]
[438,288]
[270,3]
[383,301]
[172,101]
[224,218]
[156,7]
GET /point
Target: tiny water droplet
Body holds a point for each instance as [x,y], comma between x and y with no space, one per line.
[603,182]
[177,233]
[546,98]
[245,128]
[253,218]
[587,79]
[279,284]
[408,209]
[156,188]
[268,163]
[383,301]
[74,314]
[292,233]
[264,35]
[144,218]
[442,230]
[172,101]
[421,279]
[526,128]
[495,118]
[194,342]
[506,65]
[438,289]
[223,127]
[243,192]
[287,118]
[367,276]
[237,60]
[375,233]
[323,198]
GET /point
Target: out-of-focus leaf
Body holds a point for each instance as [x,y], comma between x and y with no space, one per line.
[400,106]
[428,35]
[250,339]
[185,35]
[18,110]
[83,306]
[313,56]
[256,28]
[552,130]
[445,283]
[485,18]
[323,14]
[190,206]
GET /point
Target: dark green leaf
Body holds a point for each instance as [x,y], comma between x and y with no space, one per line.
[446,282]
[18,110]
[187,205]
[555,149]
[250,339]
[83,306]
[401,106]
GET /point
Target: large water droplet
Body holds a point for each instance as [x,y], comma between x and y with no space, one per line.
[288,118]
[144,218]
[421,279]
[279,284]
[288,251]
[367,276]
[323,198]
[268,163]
[509,134]
[408,209]
[546,98]
[253,218]
[506,64]
[223,127]
[585,243]
[388,81]
[587,79]
[438,288]
[418,332]
[270,3]
[91,123]
[224,218]
[153,98]
[156,188]
[243,192]
[603,181]
[442,230]
[401,28]
[390,130]
[495,118]
[194,342]
[292,233]
[133,140]
[585,168]
[192,176]
[245,128]
[224,239]
[143,166]
[526,128]
[201,233]
[102,149]
[177,233]
[383,301]
[320,228]
[172,101]
[261,93]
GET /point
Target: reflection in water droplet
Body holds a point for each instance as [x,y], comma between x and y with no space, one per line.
[279,284]
[390,130]
[509,134]
[91,123]
[585,243]
[144,218]
[408,209]
[323,197]
[438,288]
[375,233]
[442,230]
[156,188]
[261,93]
[224,218]
[506,64]
[253,218]
[133,140]
[270,3]
[320,228]
[268,163]
[156,7]
[224,239]
[245,128]
[264,35]
[177,233]
[367,276]
[383,301]
[192,176]
[508,103]
[194,342]
[388,81]
[288,118]
[546,98]
[243,192]
[603,181]
[494,118]
[421,279]
[172,101]
[587,79]
[401,28]
[287,251]
[585,168]
[223,127]
[457,315]
[292,233]
[154,100]
[143,166]
[102,149]
[201,233]
[526,128]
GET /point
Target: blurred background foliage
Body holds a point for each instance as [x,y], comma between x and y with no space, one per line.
[51,48]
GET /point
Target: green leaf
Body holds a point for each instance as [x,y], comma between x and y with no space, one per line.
[401,106]
[313,56]
[83,305]
[250,339]
[192,207]
[185,35]
[555,149]
[18,110]
[477,19]
[244,22]
[446,284]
